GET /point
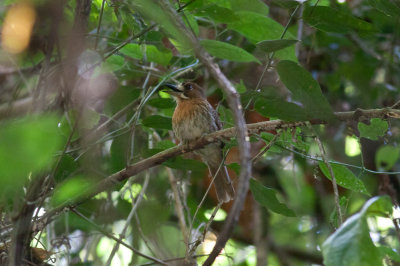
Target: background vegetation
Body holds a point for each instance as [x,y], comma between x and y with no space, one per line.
[82,111]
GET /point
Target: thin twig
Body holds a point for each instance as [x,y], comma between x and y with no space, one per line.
[332,174]
[104,232]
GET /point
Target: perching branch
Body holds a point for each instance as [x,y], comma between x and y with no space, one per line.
[228,133]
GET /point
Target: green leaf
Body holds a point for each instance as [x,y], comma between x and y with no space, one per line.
[162,103]
[344,177]
[185,164]
[386,6]
[241,88]
[386,157]
[228,51]
[257,28]
[255,6]
[351,245]
[27,146]
[154,10]
[305,89]
[331,20]
[280,109]
[157,121]
[71,190]
[387,251]
[218,14]
[270,46]
[378,206]
[157,56]
[113,63]
[132,50]
[267,198]
[377,128]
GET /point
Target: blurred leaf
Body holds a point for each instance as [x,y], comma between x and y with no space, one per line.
[157,121]
[255,6]
[27,146]
[71,189]
[280,109]
[162,103]
[386,157]
[377,128]
[154,10]
[66,167]
[235,167]
[269,46]
[121,98]
[241,88]
[228,51]
[387,251]
[378,206]
[164,144]
[132,50]
[113,63]
[218,14]
[305,89]
[267,137]
[257,28]
[157,56]
[386,6]
[191,22]
[344,177]
[331,20]
[267,198]
[351,244]
[286,3]
[185,164]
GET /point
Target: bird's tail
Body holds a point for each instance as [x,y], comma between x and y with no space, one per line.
[222,183]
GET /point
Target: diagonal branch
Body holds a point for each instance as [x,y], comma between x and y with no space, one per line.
[159,158]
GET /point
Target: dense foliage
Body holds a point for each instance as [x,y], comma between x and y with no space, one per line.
[82,100]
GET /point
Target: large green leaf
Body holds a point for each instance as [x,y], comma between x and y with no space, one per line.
[228,51]
[351,244]
[280,109]
[256,28]
[27,146]
[71,189]
[218,14]
[267,198]
[275,45]
[305,89]
[157,121]
[388,7]
[255,6]
[377,128]
[331,20]
[344,177]
[386,157]
[155,11]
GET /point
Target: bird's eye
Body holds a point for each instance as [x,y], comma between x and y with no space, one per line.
[188,86]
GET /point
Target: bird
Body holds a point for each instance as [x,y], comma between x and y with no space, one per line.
[194,117]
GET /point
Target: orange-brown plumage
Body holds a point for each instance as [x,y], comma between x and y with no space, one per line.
[194,117]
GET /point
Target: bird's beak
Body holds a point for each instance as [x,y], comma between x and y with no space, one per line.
[172,89]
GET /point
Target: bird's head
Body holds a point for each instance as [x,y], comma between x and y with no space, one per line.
[185,91]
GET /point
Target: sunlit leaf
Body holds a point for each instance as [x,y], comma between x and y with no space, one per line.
[386,157]
[267,198]
[227,51]
[377,128]
[162,103]
[344,177]
[351,245]
[27,146]
[71,190]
